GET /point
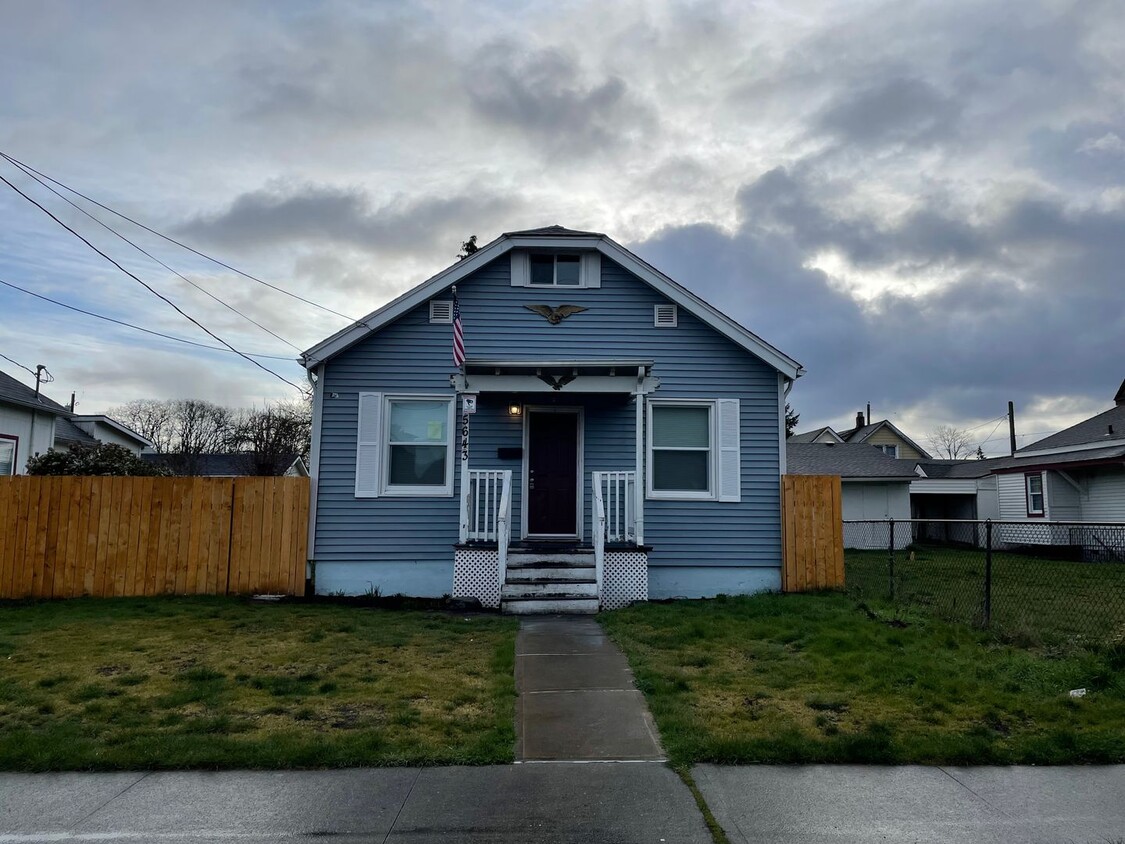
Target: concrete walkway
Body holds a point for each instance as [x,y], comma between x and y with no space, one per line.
[849,804]
[577,700]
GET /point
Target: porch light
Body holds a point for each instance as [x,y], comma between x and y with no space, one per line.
[515,409]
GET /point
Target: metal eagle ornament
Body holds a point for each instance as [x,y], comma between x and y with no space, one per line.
[555,315]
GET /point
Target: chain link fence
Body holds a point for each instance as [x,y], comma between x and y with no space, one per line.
[1039,580]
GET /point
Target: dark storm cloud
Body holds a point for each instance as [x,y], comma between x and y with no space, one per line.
[319,214]
[891,111]
[1017,322]
[547,95]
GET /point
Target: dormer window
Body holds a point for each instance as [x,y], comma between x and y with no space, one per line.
[541,268]
[555,270]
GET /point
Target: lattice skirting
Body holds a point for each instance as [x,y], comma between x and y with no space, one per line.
[626,579]
[476,574]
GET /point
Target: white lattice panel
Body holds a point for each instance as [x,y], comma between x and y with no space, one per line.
[476,574]
[626,579]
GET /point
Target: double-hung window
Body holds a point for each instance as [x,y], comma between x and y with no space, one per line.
[555,270]
[1035,504]
[8,447]
[694,450]
[404,445]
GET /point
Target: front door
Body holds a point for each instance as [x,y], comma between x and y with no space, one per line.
[552,473]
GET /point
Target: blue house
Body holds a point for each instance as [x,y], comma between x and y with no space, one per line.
[609,437]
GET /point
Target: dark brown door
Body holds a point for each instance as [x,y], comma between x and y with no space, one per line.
[552,473]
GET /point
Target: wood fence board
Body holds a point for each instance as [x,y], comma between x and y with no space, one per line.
[812,531]
[115,536]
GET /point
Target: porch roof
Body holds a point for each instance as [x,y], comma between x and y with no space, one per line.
[578,375]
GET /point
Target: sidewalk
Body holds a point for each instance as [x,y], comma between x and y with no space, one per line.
[848,804]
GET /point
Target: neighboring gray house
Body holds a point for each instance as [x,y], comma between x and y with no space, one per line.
[609,437]
[883,435]
[105,429]
[873,487]
[229,465]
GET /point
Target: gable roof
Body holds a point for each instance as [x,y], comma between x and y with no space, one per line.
[1096,429]
[67,432]
[16,392]
[848,460]
[96,418]
[546,237]
[865,432]
[810,436]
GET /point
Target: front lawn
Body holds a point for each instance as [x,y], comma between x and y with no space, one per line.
[820,678]
[224,683]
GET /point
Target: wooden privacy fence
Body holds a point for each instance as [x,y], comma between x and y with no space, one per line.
[813,533]
[63,537]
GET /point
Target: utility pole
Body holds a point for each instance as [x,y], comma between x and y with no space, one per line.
[1012,428]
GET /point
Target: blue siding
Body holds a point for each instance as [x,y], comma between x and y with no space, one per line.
[411,355]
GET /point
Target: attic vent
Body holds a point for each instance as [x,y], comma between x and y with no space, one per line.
[665,316]
[441,310]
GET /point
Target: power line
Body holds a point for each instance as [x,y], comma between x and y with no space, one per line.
[113,231]
[17,363]
[203,255]
[149,288]
[131,325]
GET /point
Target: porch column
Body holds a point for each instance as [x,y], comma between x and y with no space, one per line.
[639,482]
[463,469]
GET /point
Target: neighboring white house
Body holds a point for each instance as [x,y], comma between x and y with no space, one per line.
[874,487]
[27,424]
[31,424]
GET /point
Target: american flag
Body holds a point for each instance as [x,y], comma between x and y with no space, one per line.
[458,333]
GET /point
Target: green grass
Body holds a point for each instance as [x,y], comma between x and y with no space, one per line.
[818,678]
[221,683]
[1032,598]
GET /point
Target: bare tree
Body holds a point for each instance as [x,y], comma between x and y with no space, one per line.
[150,418]
[950,443]
[272,438]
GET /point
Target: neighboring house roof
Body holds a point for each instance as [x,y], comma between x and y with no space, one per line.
[848,460]
[67,432]
[864,433]
[546,237]
[100,418]
[810,436]
[1096,429]
[235,465]
[16,392]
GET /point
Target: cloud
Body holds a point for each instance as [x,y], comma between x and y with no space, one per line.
[322,214]
[892,111]
[547,95]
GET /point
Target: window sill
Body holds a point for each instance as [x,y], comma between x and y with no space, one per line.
[680,496]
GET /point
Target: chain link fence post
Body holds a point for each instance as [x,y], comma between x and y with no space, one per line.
[891,556]
[987,572]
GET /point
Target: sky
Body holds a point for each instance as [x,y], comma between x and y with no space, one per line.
[923,203]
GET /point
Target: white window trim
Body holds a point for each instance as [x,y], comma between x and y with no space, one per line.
[712,493]
[555,274]
[884,446]
[5,439]
[435,491]
[1042,511]
[589,268]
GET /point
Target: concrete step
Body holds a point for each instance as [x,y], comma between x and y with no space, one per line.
[549,589]
[549,606]
[564,574]
[525,558]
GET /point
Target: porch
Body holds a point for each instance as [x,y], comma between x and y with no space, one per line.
[551,514]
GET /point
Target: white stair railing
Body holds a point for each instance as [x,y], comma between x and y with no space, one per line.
[503,525]
[599,532]
[619,497]
[480,504]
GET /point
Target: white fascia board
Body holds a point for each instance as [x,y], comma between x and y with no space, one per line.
[407,301]
[1067,448]
[650,275]
[113,423]
[703,311]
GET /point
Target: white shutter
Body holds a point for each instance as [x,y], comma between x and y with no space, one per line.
[369,446]
[591,273]
[521,269]
[730,461]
